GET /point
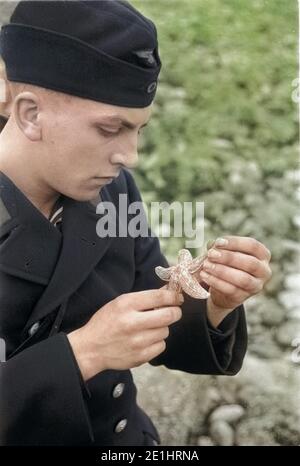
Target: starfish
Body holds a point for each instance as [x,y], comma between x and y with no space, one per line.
[180,276]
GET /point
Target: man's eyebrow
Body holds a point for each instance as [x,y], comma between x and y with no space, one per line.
[122,121]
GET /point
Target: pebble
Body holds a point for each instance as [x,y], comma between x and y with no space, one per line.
[227,413]
[221,433]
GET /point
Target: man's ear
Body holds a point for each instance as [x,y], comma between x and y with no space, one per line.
[26,112]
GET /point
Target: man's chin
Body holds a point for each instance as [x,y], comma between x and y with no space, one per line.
[82,197]
[92,196]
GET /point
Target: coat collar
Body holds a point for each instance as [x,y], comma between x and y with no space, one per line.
[37,251]
[31,249]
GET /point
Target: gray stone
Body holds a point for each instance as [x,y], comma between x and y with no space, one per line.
[287,332]
[251,434]
[227,413]
[264,346]
[272,314]
[292,281]
[262,309]
[204,441]
[290,299]
[221,433]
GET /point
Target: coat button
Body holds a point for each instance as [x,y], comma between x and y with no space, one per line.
[118,390]
[120,426]
[33,329]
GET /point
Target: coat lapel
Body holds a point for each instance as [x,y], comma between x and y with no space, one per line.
[81,250]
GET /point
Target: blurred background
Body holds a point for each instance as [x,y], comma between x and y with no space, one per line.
[225,131]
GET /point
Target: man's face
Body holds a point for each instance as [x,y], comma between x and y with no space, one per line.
[87,143]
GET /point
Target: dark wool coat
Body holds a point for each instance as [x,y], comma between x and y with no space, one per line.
[52,282]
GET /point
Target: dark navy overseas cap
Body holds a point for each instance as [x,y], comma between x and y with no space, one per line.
[104,50]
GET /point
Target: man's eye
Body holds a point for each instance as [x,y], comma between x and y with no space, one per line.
[107,133]
[110,133]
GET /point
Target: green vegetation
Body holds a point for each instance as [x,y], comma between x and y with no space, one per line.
[224,128]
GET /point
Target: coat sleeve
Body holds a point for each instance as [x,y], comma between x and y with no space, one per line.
[41,392]
[192,346]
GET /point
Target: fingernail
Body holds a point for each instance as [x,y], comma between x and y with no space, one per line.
[181,298]
[214,254]
[221,242]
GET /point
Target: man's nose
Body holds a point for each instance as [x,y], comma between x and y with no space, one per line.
[131,158]
[127,154]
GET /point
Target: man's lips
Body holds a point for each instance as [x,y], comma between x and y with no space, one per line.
[105,179]
[108,177]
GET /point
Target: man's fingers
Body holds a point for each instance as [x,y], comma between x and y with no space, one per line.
[225,288]
[149,299]
[234,277]
[161,317]
[149,337]
[154,350]
[243,244]
[238,260]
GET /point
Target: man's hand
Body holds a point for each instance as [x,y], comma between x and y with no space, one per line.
[127,332]
[236,268]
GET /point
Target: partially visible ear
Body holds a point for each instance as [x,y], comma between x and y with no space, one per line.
[26,112]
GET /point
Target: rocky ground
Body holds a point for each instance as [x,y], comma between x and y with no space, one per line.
[260,406]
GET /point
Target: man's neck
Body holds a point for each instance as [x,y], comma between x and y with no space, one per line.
[15,167]
[43,199]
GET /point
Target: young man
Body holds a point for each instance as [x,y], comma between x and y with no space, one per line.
[82,78]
